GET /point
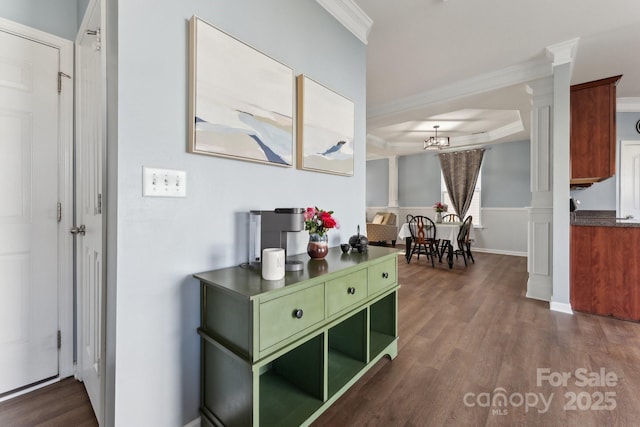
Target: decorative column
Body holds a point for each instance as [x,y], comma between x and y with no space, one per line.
[540,242]
[548,251]
[560,300]
[393,182]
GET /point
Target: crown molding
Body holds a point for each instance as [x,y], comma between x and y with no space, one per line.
[521,73]
[376,141]
[457,142]
[628,105]
[350,15]
[489,136]
[556,54]
[563,52]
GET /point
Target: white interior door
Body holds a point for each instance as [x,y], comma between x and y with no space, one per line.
[90,138]
[630,179]
[29,257]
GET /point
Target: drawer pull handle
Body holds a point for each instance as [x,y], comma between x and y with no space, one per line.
[385,275]
[351,290]
[297,313]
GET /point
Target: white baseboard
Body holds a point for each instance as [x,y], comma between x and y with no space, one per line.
[560,307]
[498,251]
[29,390]
[194,423]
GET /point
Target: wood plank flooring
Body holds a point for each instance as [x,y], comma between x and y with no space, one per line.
[463,332]
[63,404]
[467,336]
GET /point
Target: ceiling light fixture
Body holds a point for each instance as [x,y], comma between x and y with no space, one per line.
[436,141]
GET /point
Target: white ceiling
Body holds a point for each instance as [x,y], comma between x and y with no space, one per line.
[441,62]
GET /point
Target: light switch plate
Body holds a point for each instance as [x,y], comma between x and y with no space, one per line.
[163,182]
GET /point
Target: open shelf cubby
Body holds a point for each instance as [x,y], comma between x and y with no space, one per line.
[221,371]
[347,350]
[291,388]
[382,330]
[263,363]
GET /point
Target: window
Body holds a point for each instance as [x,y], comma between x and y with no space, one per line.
[474,209]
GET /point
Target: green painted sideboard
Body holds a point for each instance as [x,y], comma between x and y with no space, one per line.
[279,353]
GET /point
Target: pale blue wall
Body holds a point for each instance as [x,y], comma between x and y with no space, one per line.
[58,17]
[626,126]
[602,195]
[377,182]
[506,177]
[418,180]
[158,243]
[82,6]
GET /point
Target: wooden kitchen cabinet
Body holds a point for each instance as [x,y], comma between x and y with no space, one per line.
[593,131]
[605,271]
[279,353]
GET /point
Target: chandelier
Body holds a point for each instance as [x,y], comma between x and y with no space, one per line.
[436,141]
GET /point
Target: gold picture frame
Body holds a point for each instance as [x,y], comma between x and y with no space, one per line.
[325,129]
[241,101]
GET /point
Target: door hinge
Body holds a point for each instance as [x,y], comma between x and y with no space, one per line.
[60,76]
[59,340]
[99,203]
[59,212]
[98,44]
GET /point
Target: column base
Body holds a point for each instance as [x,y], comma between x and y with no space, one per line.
[539,287]
[561,307]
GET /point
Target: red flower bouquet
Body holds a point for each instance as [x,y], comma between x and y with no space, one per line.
[440,207]
[319,221]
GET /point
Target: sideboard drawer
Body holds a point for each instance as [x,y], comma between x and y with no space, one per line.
[382,275]
[346,291]
[285,316]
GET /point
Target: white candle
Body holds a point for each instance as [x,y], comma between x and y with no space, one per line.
[272,263]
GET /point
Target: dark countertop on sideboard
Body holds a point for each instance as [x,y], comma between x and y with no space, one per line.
[248,282]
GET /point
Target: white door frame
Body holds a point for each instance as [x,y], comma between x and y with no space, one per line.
[101,104]
[623,144]
[65,196]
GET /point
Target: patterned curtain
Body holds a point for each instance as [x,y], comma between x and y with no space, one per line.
[460,170]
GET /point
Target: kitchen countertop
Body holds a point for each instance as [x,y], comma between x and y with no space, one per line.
[601,219]
[606,222]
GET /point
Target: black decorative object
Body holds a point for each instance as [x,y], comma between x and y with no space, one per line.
[359,242]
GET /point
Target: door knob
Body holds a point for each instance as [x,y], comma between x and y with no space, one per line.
[78,230]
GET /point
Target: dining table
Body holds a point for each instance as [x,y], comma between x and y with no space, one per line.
[446,233]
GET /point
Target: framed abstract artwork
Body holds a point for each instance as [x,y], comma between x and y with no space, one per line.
[325,129]
[240,100]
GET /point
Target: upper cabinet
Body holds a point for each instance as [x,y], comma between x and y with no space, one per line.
[593,131]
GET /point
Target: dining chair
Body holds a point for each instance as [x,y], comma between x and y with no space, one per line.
[451,218]
[423,236]
[464,244]
[444,244]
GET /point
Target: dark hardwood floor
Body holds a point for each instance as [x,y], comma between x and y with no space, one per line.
[63,404]
[469,335]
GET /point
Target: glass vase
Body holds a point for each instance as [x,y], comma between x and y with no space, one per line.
[318,245]
[438,217]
